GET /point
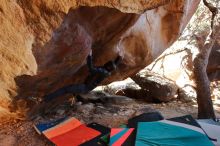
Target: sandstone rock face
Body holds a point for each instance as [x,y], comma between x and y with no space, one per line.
[43,44]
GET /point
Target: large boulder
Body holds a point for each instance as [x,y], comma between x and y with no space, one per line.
[156,86]
[43,44]
[129,89]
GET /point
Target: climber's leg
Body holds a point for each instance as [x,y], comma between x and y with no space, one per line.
[71,89]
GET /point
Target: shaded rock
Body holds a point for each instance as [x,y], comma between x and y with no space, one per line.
[114,99]
[92,96]
[158,87]
[105,98]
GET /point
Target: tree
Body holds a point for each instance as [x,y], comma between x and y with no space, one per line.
[205,106]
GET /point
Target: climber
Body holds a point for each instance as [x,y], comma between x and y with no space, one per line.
[96,76]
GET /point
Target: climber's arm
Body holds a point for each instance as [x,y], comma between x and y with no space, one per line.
[90,64]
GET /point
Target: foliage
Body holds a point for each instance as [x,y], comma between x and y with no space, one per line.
[200,22]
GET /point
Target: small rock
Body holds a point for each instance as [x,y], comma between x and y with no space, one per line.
[163,104]
[85,108]
[179,102]
[78,103]
[99,104]
[60,111]
[129,112]
[183,108]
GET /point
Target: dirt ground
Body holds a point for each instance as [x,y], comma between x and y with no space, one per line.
[22,133]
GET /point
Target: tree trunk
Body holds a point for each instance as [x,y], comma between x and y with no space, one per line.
[205,105]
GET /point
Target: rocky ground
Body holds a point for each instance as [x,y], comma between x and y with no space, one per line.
[110,113]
